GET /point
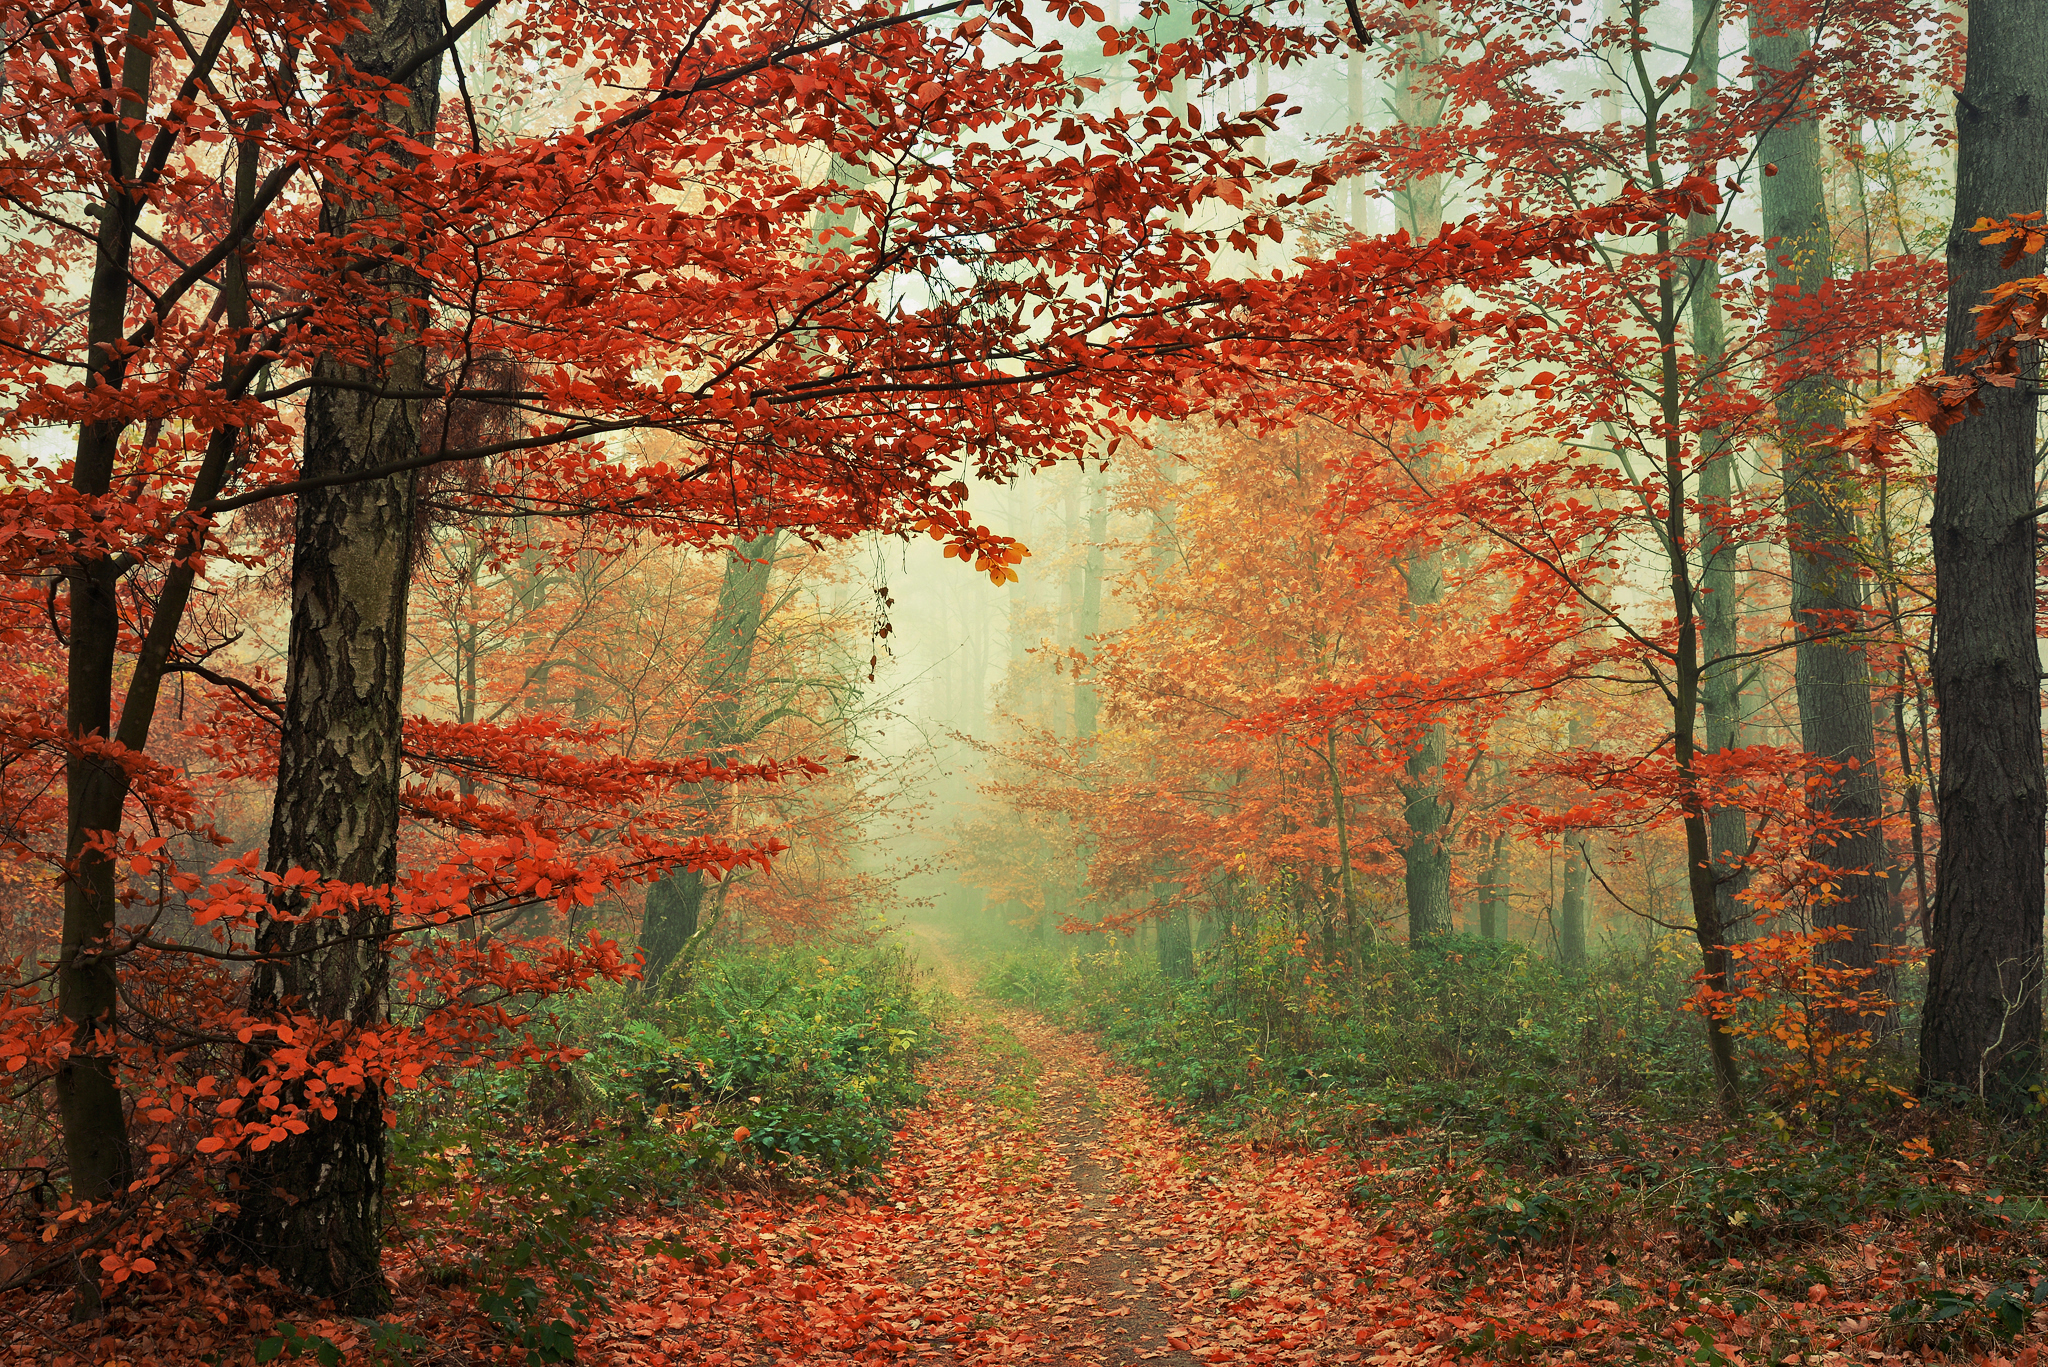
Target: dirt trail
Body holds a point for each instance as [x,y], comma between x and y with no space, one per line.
[1105,1303]
[1038,1209]
[1112,1293]
[1099,1302]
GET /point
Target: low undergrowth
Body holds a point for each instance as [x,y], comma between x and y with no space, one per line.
[785,1069]
[786,1066]
[1516,1115]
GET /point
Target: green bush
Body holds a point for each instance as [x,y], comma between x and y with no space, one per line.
[792,1063]
[812,1054]
[1529,1100]
[1037,978]
[796,1059]
[1481,1040]
[1948,1318]
[1514,1220]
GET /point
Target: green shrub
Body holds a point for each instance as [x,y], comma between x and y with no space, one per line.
[1948,1318]
[1037,978]
[1517,1219]
[794,1058]
[1483,1040]
[793,1062]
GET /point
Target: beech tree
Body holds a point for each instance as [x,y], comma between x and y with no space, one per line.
[675,902]
[1419,202]
[1831,669]
[1215,767]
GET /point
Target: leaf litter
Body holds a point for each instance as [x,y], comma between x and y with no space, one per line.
[1041,1208]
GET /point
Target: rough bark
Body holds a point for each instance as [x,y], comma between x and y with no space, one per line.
[675,903]
[312,1206]
[1981,1026]
[1831,672]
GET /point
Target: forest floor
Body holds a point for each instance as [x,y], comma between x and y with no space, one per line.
[1041,1208]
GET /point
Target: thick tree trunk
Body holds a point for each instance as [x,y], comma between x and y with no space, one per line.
[673,915]
[1831,672]
[1981,1028]
[1426,856]
[675,903]
[311,1206]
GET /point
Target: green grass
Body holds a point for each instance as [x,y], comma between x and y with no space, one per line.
[1480,1041]
[1010,1072]
[1042,979]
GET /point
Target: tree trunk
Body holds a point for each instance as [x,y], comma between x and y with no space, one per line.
[89,1102]
[1176,942]
[1571,905]
[1721,588]
[1831,672]
[1493,898]
[1088,615]
[675,903]
[1981,1028]
[1340,802]
[1419,207]
[90,1108]
[312,1204]
[1688,670]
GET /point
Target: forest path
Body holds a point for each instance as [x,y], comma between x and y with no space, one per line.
[1039,1209]
[1104,1299]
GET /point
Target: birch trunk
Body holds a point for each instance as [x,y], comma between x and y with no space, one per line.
[312,1205]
